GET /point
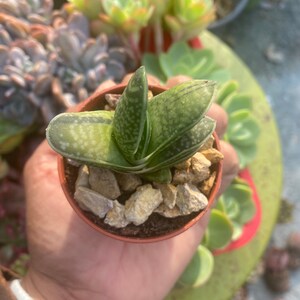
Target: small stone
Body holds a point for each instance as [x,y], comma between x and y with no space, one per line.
[182,176]
[142,203]
[128,182]
[190,199]
[209,143]
[92,201]
[213,155]
[116,216]
[167,212]
[184,165]
[207,184]
[104,182]
[83,177]
[200,167]
[169,193]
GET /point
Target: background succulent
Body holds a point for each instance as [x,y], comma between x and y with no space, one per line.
[243,129]
[139,137]
[181,59]
[48,62]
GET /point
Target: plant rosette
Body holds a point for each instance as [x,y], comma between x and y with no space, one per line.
[159,158]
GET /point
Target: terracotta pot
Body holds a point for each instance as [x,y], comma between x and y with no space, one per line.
[68,175]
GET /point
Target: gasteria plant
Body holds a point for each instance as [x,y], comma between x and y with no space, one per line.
[141,136]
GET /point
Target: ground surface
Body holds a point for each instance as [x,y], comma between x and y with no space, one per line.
[267,39]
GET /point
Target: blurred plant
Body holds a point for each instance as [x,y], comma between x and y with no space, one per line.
[181,59]
[234,209]
[147,19]
[199,269]
[243,129]
[48,62]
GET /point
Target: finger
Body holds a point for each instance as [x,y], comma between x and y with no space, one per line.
[230,166]
[217,113]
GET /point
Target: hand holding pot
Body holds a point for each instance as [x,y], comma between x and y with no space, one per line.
[71,261]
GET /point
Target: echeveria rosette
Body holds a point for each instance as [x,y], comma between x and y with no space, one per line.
[141,136]
[187,18]
[125,15]
[237,203]
[243,129]
[181,59]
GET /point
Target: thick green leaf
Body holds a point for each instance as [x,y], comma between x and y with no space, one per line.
[151,63]
[242,129]
[220,230]
[227,89]
[130,115]
[241,194]
[86,137]
[185,146]
[199,270]
[177,110]
[246,154]
[161,176]
[236,102]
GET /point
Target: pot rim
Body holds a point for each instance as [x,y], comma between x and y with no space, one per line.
[92,102]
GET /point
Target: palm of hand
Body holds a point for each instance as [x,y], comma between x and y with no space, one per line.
[88,265]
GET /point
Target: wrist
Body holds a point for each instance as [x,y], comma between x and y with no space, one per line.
[42,287]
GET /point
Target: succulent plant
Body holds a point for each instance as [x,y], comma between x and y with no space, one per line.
[187,18]
[48,64]
[243,129]
[139,137]
[181,59]
[199,269]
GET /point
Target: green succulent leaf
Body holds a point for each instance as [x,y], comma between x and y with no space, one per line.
[11,135]
[226,89]
[229,206]
[243,129]
[162,176]
[185,146]
[86,137]
[130,115]
[181,59]
[220,230]
[178,110]
[241,194]
[246,154]
[237,102]
[151,62]
[199,270]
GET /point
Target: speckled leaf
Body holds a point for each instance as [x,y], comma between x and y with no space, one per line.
[185,146]
[87,137]
[177,110]
[130,115]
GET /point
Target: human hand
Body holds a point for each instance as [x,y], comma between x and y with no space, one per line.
[69,260]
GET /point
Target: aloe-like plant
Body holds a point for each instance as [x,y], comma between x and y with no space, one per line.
[140,136]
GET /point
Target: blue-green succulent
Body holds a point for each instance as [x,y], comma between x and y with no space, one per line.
[141,136]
